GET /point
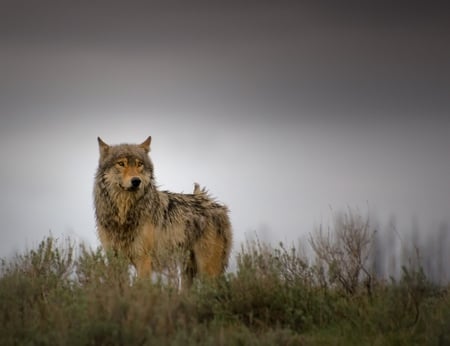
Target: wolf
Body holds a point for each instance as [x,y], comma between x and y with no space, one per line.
[148,226]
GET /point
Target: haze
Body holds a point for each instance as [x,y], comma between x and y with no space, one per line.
[287,112]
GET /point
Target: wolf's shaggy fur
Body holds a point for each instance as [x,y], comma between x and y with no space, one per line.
[137,220]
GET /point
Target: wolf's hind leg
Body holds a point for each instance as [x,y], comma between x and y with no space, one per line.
[210,254]
[189,270]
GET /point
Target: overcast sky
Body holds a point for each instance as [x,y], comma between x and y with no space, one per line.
[284,110]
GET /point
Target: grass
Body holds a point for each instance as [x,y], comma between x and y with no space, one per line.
[62,294]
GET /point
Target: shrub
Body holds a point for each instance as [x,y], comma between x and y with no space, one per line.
[342,254]
[67,295]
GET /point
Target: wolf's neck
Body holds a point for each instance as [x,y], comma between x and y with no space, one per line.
[124,202]
[132,208]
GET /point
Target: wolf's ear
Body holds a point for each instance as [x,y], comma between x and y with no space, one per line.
[102,146]
[146,144]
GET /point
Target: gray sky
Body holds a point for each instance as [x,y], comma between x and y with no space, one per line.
[282,109]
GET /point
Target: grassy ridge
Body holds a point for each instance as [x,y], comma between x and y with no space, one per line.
[60,294]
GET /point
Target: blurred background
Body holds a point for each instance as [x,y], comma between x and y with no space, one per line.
[288,112]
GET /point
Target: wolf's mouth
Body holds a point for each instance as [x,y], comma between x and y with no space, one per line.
[130,189]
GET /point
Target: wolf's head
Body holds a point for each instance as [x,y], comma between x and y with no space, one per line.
[125,167]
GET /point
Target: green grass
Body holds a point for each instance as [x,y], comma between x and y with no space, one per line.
[62,294]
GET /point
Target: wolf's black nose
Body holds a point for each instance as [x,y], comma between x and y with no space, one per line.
[135,182]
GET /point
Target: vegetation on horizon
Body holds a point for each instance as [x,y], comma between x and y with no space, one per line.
[62,294]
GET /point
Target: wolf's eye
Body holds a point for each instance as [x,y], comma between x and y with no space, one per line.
[121,163]
[140,163]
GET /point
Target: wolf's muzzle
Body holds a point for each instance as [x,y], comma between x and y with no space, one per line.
[135,182]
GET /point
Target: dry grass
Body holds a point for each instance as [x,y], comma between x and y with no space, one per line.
[62,294]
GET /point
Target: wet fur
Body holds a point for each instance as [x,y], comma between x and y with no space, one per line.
[148,225]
